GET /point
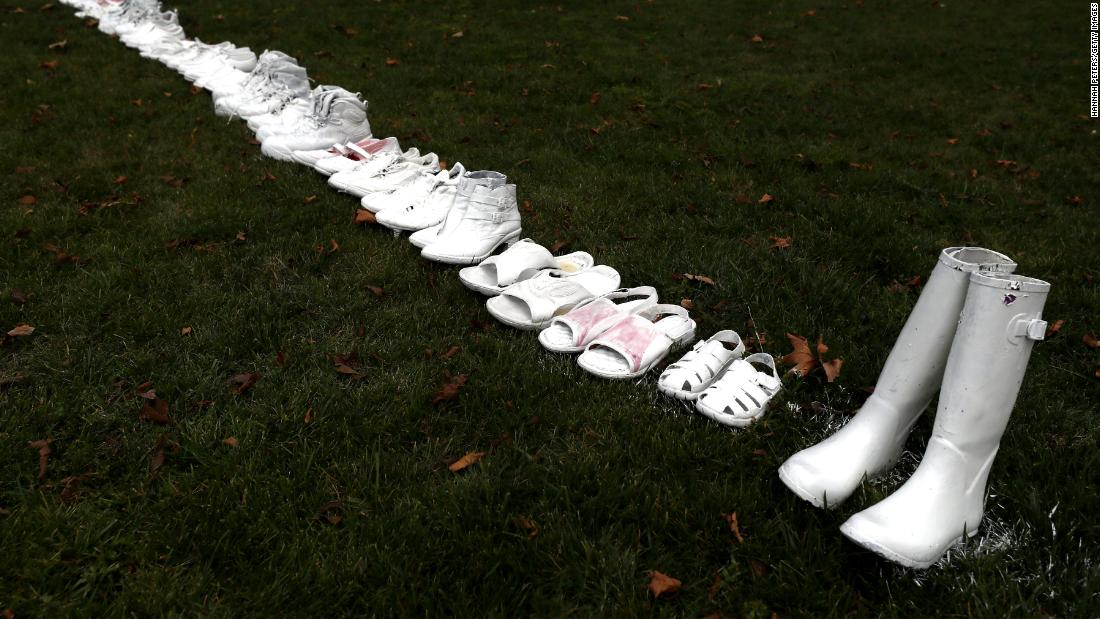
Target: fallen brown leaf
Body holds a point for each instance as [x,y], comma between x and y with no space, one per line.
[155,411]
[780,242]
[687,304]
[43,447]
[21,331]
[801,358]
[310,199]
[1089,339]
[28,200]
[309,416]
[758,568]
[449,390]
[452,351]
[245,381]
[120,180]
[663,584]
[62,44]
[764,199]
[377,291]
[457,35]
[49,65]
[231,441]
[464,462]
[280,358]
[756,38]
[186,330]
[363,216]
[1054,328]
[735,528]
[832,369]
[527,525]
[558,245]
[392,62]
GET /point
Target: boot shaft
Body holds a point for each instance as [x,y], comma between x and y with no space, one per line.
[999,325]
[914,370]
[472,180]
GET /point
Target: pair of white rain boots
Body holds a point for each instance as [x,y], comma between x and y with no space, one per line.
[969,336]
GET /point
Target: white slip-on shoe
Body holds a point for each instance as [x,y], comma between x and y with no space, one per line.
[701,366]
[577,328]
[637,342]
[521,261]
[491,220]
[533,303]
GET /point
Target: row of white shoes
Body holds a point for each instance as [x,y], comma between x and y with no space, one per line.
[455,216]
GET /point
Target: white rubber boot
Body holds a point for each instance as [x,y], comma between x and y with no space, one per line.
[944,500]
[868,445]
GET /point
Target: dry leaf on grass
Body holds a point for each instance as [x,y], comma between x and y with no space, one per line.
[735,528]
[28,200]
[43,447]
[21,331]
[230,442]
[527,525]
[245,381]
[464,462]
[449,390]
[781,242]
[764,199]
[662,584]
[803,360]
[363,216]
[1089,339]
[155,410]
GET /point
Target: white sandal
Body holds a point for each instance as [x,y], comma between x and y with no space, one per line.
[585,322]
[740,396]
[521,261]
[637,342]
[533,303]
[701,366]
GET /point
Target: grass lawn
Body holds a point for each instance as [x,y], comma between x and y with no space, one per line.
[152,247]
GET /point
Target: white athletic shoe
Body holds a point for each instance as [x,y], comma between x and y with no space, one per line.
[429,210]
[385,177]
[338,119]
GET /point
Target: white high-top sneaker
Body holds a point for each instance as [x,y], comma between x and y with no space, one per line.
[491,220]
[385,175]
[943,502]
[352,153]
[339,119]
[431,209]
[269,66]
[868,445]
[286,118]
[457,209]
[412,192]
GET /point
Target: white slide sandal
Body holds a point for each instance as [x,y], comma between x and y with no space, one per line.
[585,322]
[638,342]
[533,303]
[521,261]
[701,366]
[740,396]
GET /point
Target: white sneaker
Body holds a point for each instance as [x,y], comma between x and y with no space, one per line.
[353,153]
[413,192]
[487,178]
[428,210]
[388,176]
[338,119]
[285,119]
[491,219]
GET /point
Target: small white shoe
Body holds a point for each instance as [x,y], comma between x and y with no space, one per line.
[741,394]
[701,366]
